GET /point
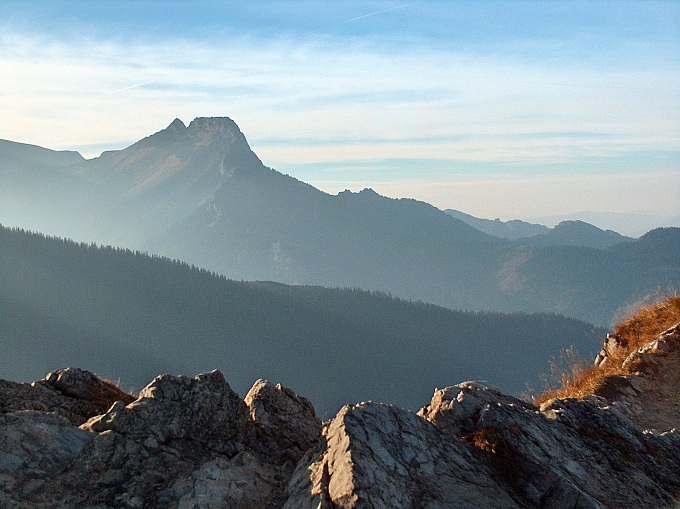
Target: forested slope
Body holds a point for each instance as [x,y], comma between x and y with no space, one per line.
[129,316]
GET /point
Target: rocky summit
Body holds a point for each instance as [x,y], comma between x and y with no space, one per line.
[73,440]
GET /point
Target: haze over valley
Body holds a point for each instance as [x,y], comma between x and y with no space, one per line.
[132,316]
[199,194]
[399,152]
[295,254]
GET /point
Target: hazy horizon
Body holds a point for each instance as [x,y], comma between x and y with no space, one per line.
[498,109]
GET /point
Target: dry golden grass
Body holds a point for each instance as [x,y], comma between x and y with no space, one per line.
[108,393]
[649,322]
[578,379]
[483,439]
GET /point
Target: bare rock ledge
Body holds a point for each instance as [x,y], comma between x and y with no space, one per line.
[73,440]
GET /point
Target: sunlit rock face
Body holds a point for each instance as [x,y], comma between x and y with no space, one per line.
[649,397]
[160,180]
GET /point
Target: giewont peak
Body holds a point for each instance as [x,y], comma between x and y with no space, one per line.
[218,124]
[205,130]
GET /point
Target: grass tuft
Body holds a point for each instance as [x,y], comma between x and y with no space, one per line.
[109,393]
[575,378]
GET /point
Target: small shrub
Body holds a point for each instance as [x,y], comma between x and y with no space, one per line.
[484,439]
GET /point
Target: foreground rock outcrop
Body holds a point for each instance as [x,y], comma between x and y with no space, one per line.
[72,440]
[649,396]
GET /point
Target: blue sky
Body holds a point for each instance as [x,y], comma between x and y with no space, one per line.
[500,109]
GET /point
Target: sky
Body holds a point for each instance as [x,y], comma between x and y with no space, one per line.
[509,109]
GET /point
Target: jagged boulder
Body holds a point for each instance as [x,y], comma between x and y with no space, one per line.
[202,412]
[73,393]
[568,453]
[611,347]
[649,396]
[35,447]
[380,456]
[475,447]
[286,424]
[182,443]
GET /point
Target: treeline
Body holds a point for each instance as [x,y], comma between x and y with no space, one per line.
[26,239]
[130,316]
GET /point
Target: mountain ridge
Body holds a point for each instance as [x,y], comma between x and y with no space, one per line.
[632,224]
[199,193]
[570,232]
[512,230]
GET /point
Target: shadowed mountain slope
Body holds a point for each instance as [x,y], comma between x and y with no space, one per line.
[124,314]
[511,230]
[200,194]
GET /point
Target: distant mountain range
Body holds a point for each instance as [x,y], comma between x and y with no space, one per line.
[125,314]
[198,193]
[566,233]
[631,225]
[513,230]
[627,223]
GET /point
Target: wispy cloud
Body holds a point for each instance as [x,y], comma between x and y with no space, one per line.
[382,11]
[128,88]
[519,104]
[304,92]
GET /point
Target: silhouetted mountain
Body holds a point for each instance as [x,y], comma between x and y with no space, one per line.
[199,194]
[16,156]
[576,233]
[128,315]
[630,224]
[511,230]
[566,233]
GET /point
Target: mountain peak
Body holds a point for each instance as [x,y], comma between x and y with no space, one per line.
[213,123]
[205,130]
[574,224]
[177,126]
[167,136]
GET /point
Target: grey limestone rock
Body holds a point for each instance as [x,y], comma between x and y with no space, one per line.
[286,424]
[380,456]
[202,412]
[475,447]
[184,442]
[73,393]
[649,398]
[35,447]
